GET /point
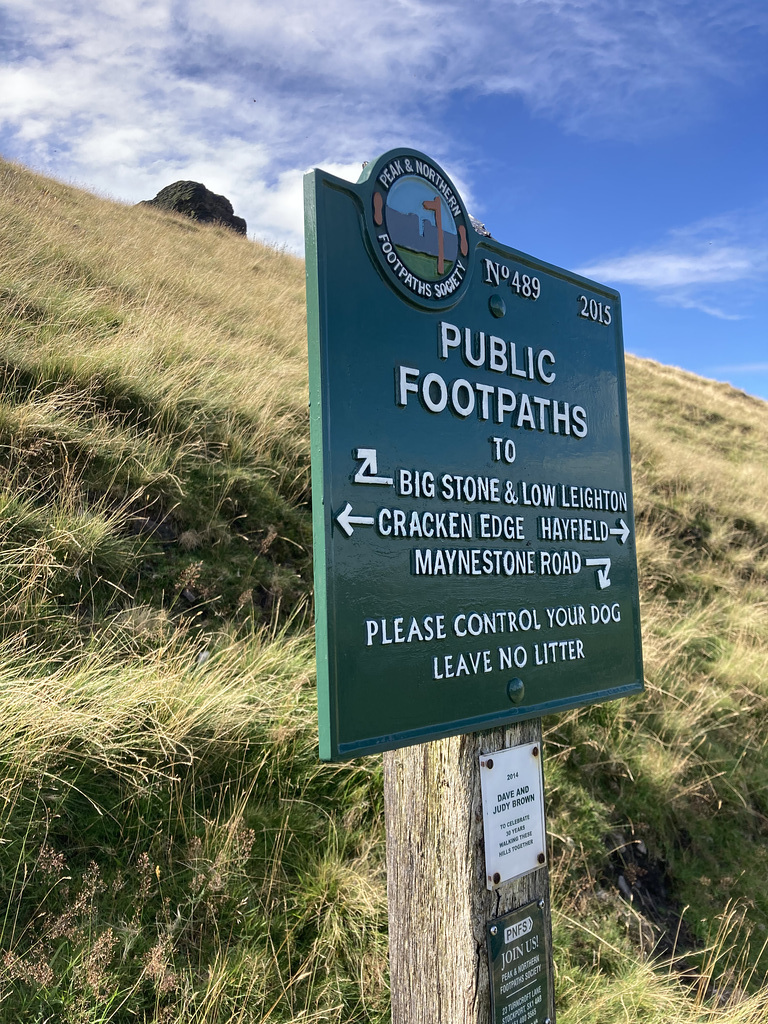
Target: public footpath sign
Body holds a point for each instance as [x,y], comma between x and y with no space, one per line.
[472,501]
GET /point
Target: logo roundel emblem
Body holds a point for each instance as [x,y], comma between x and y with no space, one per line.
[418,228]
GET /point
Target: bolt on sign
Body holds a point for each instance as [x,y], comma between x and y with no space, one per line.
[472,499]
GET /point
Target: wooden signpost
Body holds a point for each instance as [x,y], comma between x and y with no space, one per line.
[474,560]
[439,902]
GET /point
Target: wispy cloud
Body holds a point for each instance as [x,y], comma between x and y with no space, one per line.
[662,268]
[128,95]
[709,265]
[741,368]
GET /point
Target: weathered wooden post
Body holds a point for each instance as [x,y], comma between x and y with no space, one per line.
[474,561]
[439,902]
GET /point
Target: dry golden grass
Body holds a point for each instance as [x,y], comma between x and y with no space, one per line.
[183,315]
[682,770]
[145,355]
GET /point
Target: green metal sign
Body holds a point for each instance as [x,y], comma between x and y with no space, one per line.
[472,500]
[521,988]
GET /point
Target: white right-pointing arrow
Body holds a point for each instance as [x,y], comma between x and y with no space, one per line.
[347,522]
[621,531]
[603,568]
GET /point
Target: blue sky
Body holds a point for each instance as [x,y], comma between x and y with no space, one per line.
[625,141]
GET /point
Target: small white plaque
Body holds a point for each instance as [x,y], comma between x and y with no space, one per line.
[513,812]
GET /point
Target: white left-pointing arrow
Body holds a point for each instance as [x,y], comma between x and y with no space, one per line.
[348,522]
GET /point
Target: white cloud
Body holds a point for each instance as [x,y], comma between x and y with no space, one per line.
[742,368]
[720,258]
[251,92]
[583,62]
[662,268]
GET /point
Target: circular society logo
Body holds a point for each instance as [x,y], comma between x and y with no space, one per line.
[418,228]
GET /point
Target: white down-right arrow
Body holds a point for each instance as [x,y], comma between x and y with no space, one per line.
[603,567]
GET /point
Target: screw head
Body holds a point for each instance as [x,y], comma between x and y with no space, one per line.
[494,929]
[489,763]
[516,690]
[548,1020]
[497,306]
[541,858]
[535,751]
[496,878]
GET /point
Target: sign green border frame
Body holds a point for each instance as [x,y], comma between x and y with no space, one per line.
[350,289]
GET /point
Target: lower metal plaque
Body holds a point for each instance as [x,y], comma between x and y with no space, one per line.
[519,967]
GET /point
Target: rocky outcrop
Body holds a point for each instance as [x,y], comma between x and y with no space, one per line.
[196,201]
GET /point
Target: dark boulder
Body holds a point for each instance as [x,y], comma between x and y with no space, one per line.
[196,201]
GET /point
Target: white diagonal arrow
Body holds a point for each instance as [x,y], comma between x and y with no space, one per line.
[621,531]
[368,473]
[347,522]
[604,567]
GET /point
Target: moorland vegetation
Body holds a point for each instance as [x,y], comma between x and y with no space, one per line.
[170,848]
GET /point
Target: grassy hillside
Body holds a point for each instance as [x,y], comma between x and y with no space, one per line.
[170,848]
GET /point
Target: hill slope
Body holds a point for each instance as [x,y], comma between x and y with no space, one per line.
[171,849]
